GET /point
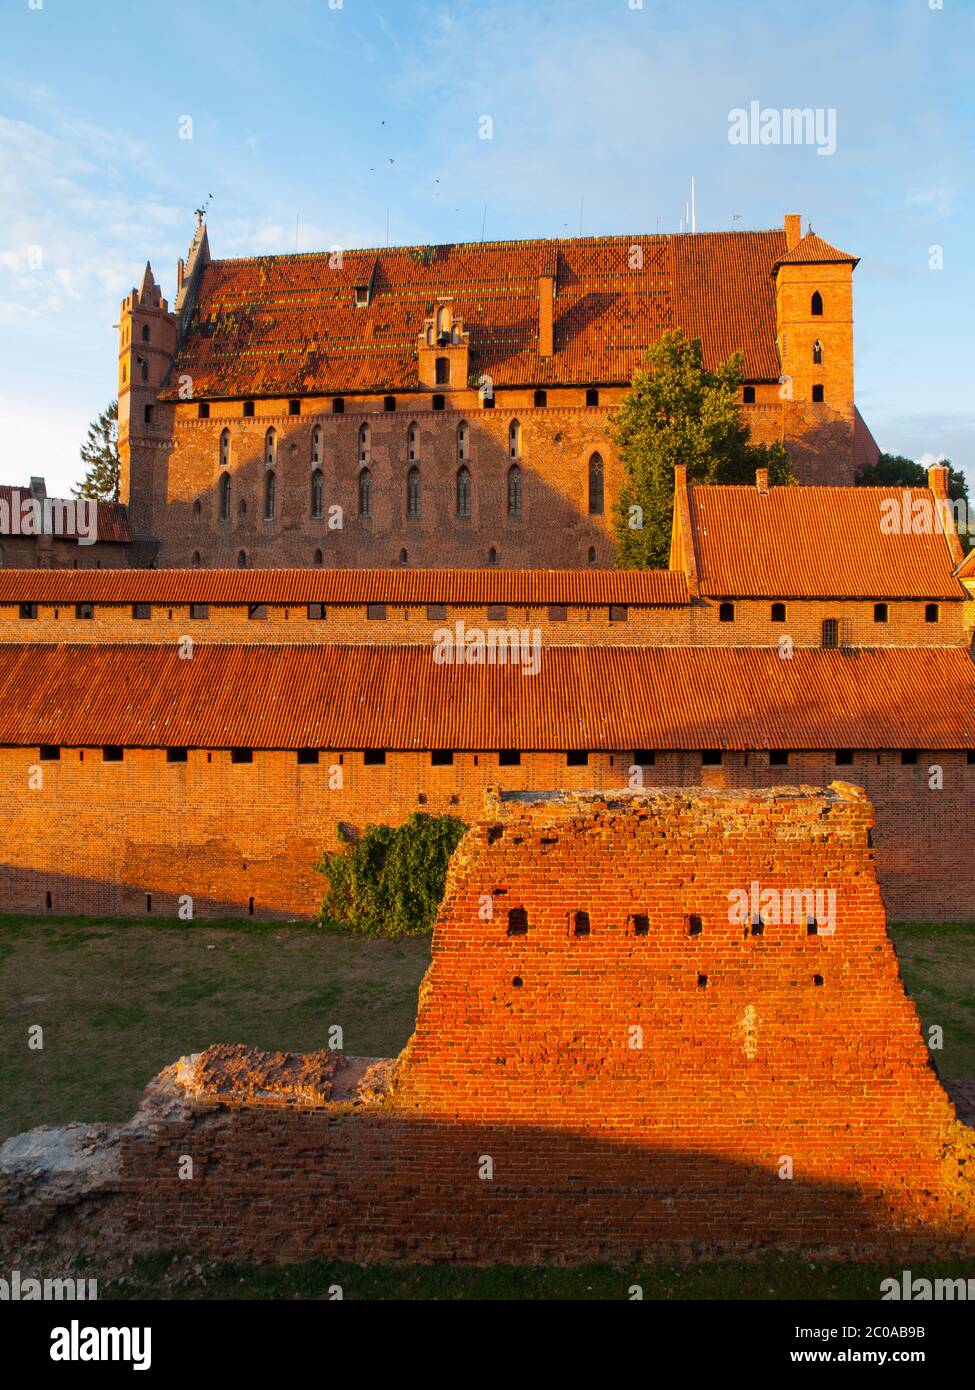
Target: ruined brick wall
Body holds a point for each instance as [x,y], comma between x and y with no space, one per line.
[133,837]
[672,1082]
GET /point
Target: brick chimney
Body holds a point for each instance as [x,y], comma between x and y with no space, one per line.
[939,476]
[793,230]
[761,481]
[546,315]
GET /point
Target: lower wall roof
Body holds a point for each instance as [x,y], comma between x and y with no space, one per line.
[332,696]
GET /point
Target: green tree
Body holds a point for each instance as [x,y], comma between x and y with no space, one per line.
[99,454]
[894,470]
[677,412]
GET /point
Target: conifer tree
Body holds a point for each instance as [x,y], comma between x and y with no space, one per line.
[99,454]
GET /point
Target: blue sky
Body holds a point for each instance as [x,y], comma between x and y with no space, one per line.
[334,116]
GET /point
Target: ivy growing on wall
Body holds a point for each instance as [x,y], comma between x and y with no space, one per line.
[389,880]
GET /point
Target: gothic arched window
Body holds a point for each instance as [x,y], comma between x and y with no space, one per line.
[413,442]
[413,492]
[463,491]
[224,494]
[816,306]
[365,493]
[514,490]
[224,448]
[463,440]
[317,493]
[514,440]
[364,442]
[270,496]
[316,444]
[596,485]
[270,448]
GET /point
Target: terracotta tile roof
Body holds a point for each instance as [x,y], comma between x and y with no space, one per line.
[287,325]
[111,518]
[815,542]
[338,697]
[336,586]
[812,250]
[966,570]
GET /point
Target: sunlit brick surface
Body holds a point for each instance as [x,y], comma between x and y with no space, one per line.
[678,1085]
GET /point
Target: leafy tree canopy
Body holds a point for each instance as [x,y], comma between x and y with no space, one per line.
[677,412]
[894,470]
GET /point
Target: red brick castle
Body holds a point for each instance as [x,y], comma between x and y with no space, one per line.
[447,405]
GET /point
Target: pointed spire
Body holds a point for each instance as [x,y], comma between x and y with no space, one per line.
[148,282]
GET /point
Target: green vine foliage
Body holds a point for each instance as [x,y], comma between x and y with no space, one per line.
[389,881]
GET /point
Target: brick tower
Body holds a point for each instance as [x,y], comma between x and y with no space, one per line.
[814,314]
[147,343]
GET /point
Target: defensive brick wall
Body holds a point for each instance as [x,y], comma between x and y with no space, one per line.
[82,835]
[697,624]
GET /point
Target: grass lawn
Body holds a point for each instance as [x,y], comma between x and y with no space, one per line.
[120,1000]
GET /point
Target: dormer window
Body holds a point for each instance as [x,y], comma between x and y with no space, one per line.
[362,296]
